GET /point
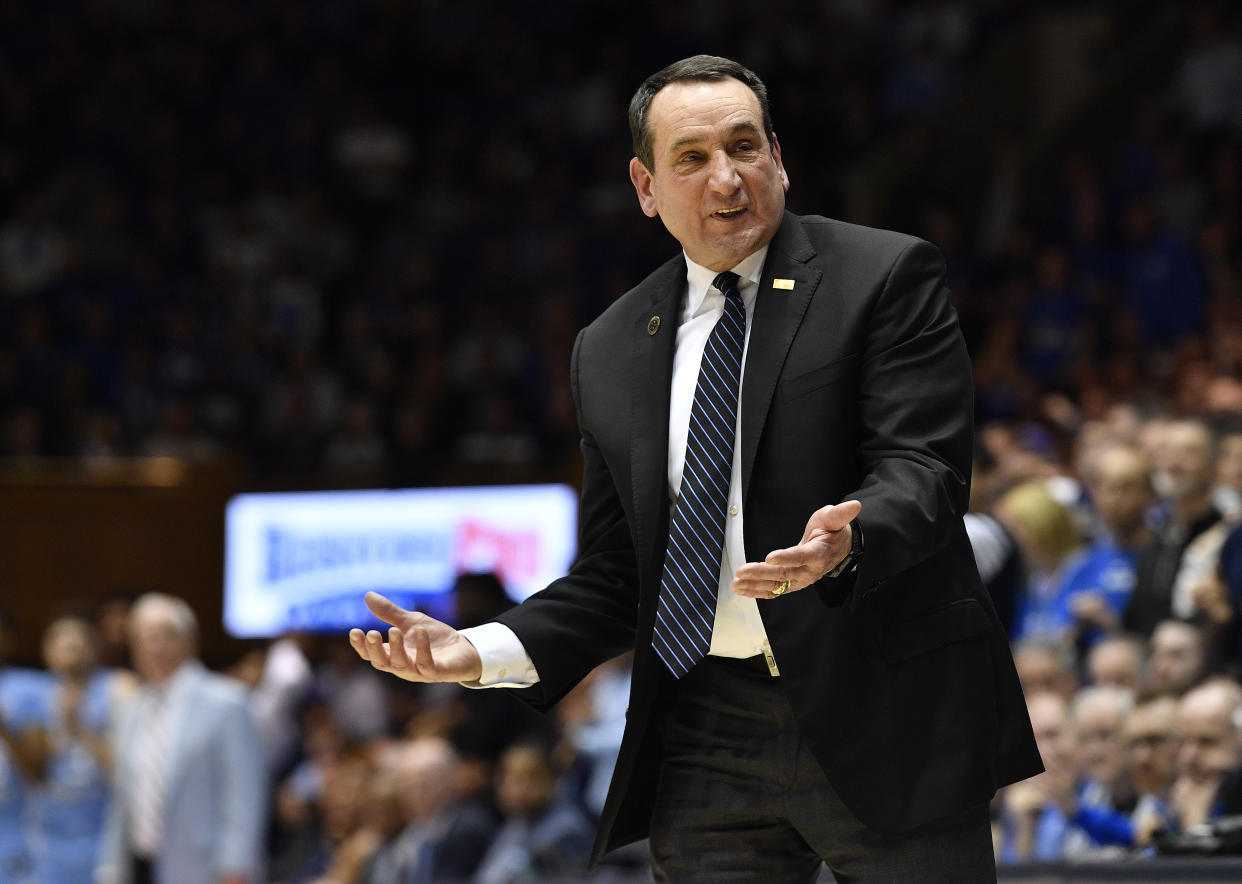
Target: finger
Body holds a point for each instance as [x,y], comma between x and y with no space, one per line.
[358,641]
[765,571]
[837,517]
[396,649]
[384,609]
[424,662]
[377,653]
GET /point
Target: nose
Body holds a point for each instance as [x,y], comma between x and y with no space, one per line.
[722,175]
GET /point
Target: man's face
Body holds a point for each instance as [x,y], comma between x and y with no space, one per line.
[1121,490]
[1207,746]
[717,184]
[1054,733]
[1185,467]
[157,645]
[1176,657]
[1099,724]
[1150,745]
[1114,664]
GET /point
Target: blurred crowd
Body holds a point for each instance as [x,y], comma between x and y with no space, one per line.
[298,763]
[355,239]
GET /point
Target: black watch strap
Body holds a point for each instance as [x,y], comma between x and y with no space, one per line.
[849,564]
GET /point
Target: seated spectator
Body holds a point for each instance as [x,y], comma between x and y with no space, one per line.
[1053,551]
[1169,565]
[542,834]
[1037,813]
[1116,661]
[1045,667]
[444,838]
[1208,754]
[1099,715]
[73,790]
[1150,758]
[1176,659]
[1099,589]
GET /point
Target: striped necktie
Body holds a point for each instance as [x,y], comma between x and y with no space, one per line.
[148,785]
[691,581]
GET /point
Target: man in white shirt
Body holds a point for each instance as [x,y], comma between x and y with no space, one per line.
[802,703]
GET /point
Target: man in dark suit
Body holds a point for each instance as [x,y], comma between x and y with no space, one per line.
[847,699]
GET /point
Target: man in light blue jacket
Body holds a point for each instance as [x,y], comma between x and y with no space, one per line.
[191,789]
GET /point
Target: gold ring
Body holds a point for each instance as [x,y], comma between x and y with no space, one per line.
[782,589]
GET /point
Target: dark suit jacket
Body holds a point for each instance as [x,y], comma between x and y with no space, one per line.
[857,385]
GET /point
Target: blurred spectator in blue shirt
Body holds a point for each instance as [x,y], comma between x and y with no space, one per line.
[20,745]
[80,708]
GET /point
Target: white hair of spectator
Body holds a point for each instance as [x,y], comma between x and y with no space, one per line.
[1121,699]
[181,614]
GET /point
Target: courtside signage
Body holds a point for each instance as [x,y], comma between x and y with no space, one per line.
[303,560]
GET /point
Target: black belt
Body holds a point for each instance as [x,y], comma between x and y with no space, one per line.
[754,666]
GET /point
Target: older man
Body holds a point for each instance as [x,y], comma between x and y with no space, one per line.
[190,783]
[1209,733]
[819,675]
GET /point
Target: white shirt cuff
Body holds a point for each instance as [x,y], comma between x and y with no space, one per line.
[505,662]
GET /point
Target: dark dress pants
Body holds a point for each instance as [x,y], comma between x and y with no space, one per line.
[742,799]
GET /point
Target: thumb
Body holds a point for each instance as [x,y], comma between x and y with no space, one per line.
[834,518]
[386,610]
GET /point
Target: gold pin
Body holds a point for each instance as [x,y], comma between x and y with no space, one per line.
[653,325]
[786,284]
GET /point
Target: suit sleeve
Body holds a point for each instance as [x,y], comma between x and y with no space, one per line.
[916,408]
[244,793]
[589,615]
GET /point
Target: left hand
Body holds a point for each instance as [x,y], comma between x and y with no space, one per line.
[825,542]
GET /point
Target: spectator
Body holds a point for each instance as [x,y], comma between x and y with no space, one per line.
[1176,659]
[1037,812]
[190,784]
[1052,548]
[1184,475]
[1116,661]
[1099,715]
[1045,667]
[1208,753]
[1099,589]
[21,742]
[1151,747]
[542,835]
[81,706]
[444,838]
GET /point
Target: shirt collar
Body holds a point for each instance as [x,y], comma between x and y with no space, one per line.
[699,279]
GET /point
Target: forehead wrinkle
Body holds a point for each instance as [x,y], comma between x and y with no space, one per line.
[746,126]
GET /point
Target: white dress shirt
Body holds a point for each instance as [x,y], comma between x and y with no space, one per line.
[738,630]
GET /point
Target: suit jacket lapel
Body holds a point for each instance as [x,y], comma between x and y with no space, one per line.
[652,364]
[181,714]
[778,313]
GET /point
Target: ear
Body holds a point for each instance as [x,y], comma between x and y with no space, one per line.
[780,165]
[642,186]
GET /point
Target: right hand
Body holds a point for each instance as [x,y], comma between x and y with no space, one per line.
[419,648]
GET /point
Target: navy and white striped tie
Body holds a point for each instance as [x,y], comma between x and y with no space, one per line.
[691,581]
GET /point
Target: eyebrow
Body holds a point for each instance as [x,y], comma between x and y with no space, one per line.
[743,127]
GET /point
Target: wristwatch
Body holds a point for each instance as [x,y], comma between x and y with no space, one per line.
[849,564]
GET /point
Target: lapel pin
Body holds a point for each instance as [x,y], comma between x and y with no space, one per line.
[786,284]
[653,325]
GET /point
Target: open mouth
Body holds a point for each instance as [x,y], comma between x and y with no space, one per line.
[729,213]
